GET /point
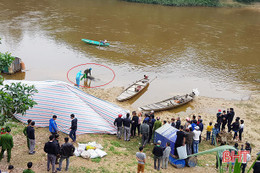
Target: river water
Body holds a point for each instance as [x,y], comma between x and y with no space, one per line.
[216,50]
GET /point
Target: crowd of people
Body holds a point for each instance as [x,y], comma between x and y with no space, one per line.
[189,134]
[56,153]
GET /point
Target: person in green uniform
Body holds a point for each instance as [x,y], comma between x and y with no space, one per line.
[157,124]
[7,144]
[29,170]
[25,132]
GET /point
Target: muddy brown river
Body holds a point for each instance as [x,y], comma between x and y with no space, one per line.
[216,50]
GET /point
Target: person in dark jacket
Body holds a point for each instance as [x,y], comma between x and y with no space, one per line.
[127,123]
[180,140]
[201,126]
[230,117]
[119,122]
[25,132]
[235,128]
[73,128]
[219,119]
[31,137]
[56,142]
[224,120]
[178,123]
[135,120]
[51,149]
[158,153]
[173,122]
[67,150]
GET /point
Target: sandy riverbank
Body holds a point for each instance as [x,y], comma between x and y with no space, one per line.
[248,110]
[121,154]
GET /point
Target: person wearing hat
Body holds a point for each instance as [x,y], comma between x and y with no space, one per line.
[196,139]
[87,71]
[7,144]
[158,153]
[119,122]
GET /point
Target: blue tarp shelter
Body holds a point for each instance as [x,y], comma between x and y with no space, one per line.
[166,133]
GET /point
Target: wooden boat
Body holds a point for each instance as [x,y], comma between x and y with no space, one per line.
[171,102]
[133,89]
[95,42]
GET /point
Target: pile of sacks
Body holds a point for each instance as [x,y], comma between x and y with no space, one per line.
[90,150]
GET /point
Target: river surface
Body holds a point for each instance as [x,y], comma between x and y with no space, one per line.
[216,50]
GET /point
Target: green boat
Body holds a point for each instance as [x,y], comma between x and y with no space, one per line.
[95,42]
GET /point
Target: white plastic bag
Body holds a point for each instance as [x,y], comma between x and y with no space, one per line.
[92,153]
[81,147]
[85,154]
[182,152]
[99,146]
[76,152]
[100,153]
[93,144]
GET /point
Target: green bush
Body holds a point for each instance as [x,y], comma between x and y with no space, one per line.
[16,98]
[6,60]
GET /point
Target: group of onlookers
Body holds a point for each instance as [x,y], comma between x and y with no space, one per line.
[146,127]
[56,153]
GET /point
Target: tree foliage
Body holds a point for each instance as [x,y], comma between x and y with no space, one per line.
[6,60]
[16,98]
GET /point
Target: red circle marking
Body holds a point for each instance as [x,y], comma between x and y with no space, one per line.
[114,75]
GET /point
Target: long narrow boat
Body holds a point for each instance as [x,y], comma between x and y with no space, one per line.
[171,102]
[95,42]
[133,89]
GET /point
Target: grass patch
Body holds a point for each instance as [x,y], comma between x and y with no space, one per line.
[96,160]
[115,143]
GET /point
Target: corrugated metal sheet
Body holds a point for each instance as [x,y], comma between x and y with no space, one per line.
[62,99]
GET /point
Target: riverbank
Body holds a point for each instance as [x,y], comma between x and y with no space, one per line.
[248,110]
[121,154]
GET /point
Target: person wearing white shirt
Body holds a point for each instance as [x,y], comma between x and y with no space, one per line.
[196,139]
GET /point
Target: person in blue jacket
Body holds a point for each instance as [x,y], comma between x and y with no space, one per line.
[79,74]
[52,125]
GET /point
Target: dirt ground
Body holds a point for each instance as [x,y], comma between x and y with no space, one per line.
[121,154]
